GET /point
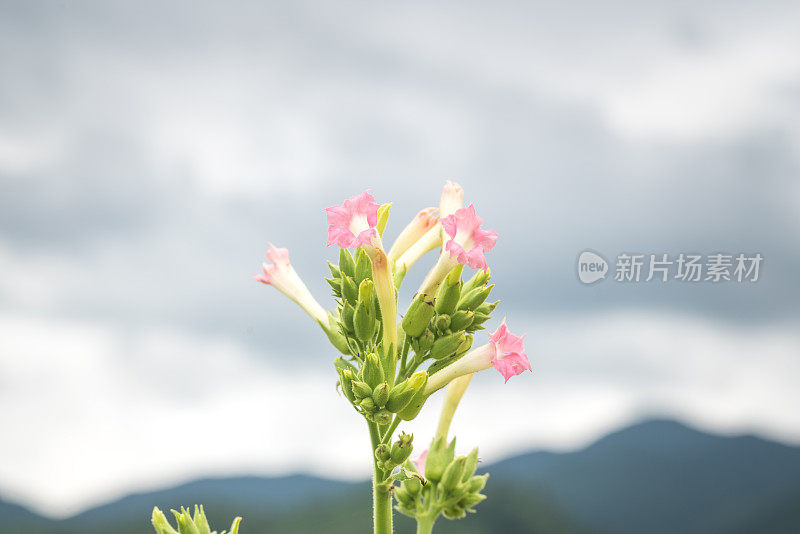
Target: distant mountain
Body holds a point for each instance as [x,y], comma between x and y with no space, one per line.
[656,477]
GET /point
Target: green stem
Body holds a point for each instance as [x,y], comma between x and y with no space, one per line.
[425,524]
[381,495]
[387,437]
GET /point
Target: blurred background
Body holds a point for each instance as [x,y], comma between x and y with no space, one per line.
[149,150]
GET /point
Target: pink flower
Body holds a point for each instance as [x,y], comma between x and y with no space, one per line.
[281,275]
[420,461]
[279,267]
[509,356]
[353,223]
[468,241]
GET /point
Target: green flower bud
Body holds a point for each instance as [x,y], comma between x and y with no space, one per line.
[383,417]
[418,382]
[487,307]
[471,465]
[336,285]
[439,457]
[346,264]
[346,381]
[348,313]
[364,323]
[401,451]
[478,321]
[476,484]
[399,397]
[441,323]
[447,345]
[361,389]
[449,292]
[161,524]
[367,404]
[423,344]
[405,439]
[403,497]
[464,346]
[478,280]
[382,452]
[381,395]
[413,485]
[461,320]
[335,271]
[372,370]
[453,474]
[363,267]
[474,298]
[454,512]
[418,316]
[471,499]
[383,217]
[349,290]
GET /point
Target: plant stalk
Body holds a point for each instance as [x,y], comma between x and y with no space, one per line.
[381,495]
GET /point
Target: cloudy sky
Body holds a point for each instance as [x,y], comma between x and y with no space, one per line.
[148,152]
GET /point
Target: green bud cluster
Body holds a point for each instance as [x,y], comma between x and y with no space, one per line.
[442,328]
[450,486]
[387,458]
[188,523]
[368,389]
[358,310]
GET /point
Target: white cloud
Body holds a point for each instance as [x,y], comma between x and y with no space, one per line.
[91,412]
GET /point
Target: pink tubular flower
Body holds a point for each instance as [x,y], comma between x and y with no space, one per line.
[281,275]
[413,232]
[505,352]
[420,461]
[468,241]
[509,356]
[353,223]
[279,267]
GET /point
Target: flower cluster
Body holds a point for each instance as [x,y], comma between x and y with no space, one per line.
[388,370]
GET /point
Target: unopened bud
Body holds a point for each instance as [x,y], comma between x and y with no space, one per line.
[447,345]
[423,344]
[346,264]
[479,279]
[487,307]
[474,298]
[417,382]
[470,465]
[367,404]
[441,323]
[464,346]
[440,455]
[418,316]
[382,452]
[349,290]
[403,497]
[461,320]
[346,381]
[381,395]
[372,370]
[382,417]
[363,267]
[413,485]
[364,323]
[348,312]
[471,499]
[399,397]
[401,451]
[449,292]
[453,474]
[361,389]
[477,483]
